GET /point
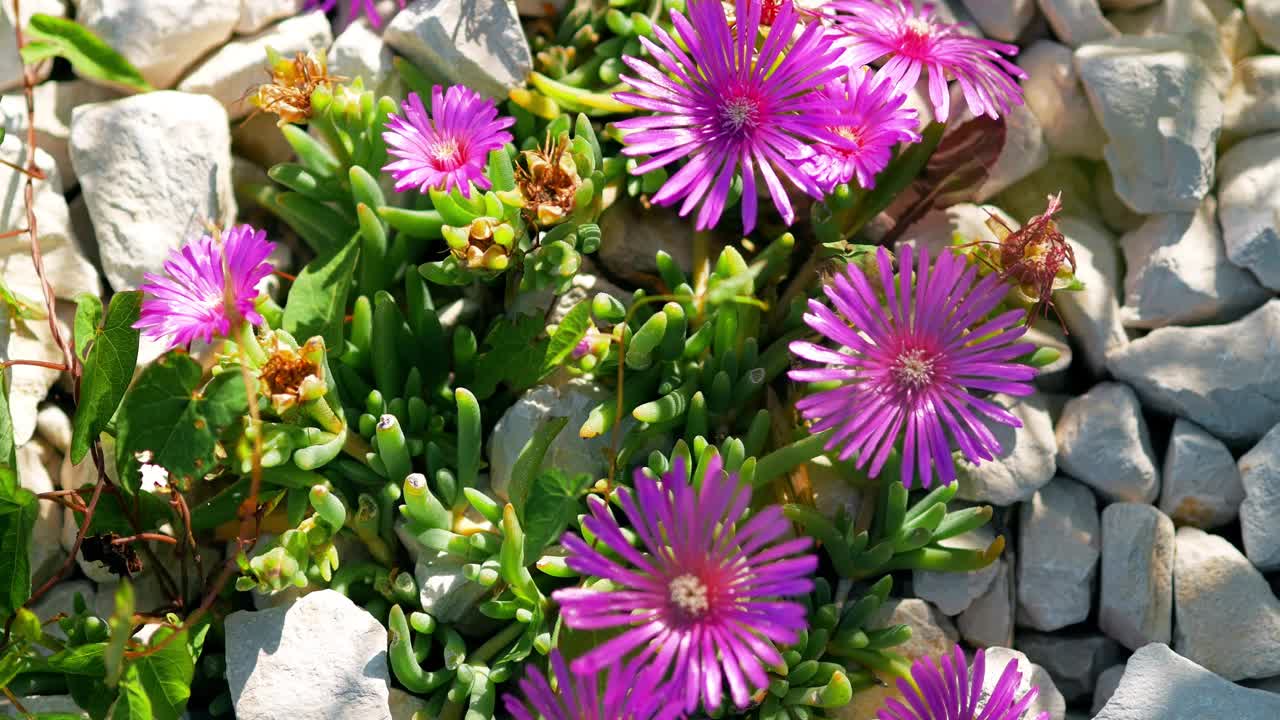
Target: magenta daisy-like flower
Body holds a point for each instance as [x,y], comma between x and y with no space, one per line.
[873,121]
[916,40]
[368,7]
[730,109]
[449,147]
[207,285]
[624,694]
[702,599]
[908,366]
[953,691]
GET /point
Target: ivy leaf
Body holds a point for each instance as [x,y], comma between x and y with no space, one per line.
[317,301]
[568,334]
[111,515]
[226,399]
[88,318]
[8,449]
[21,306]
[161,415]
[92,695]
[552,505]
[166,675]
[89,55]
[17,518]
[133,702]
[513,355]
[107,370]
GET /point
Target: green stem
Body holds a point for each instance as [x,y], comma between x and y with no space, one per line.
[485,652]
[787,458]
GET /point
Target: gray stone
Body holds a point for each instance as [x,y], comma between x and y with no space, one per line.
[1249,206]
[477,43]
[443,590]
[953,592]
[1076,22]
[1023,153]
[1226,617]
[257,14]
[154,169]
[1225,378]
[1092,314]
[932,634]
[630,238]
[322,657]
[358,52]
[1177,273]
[1215,32]
[1054,93]
[53,102]
[404,706]
[1252,104]
[232,72]
[1264,16]
[1115,214]
[61,600]
[1103,442]
[1074,662]
[44,553]
[1159,684]
[1058,548]
[1026,461]
[1048,700]
[1125,4]
[53,705]
[162,38]
[1201,483]
[1002,19]
[1260,475]
[1136,603]
[1047,332]
[1105,686]
[988,622]
[1157,100]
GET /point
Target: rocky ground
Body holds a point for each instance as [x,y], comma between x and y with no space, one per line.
[1140,496]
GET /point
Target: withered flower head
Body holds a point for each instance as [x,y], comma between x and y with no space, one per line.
[1037,259]
[119,557]
[548,179]
[288,95]
[293,376]
[485,244]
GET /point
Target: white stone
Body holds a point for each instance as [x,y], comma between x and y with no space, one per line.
[1058,548]
[1092,315]
[1252,104]
[1157,100]
[11,67]
[53,103]
[154,169]
[1002,19]
[44,706]
[1225,378]
[404,706]
[953,592]
[322,657]
[351,13]
[1049,700]
[1053,92]
[1115,214]
[1105,686]
[1026,462]
[1103,442]
[1217,32]
[447,38]
[1249,206]
[162,38]
[932,634]
[1135,606]
[54,427]
[1024,152]
[231,74]
[1260,475]
[443,590]
[1074,662]
[1201,483]
[257,14]
[1125,4]
[988,622]
[1176,273]
[44,553]
[61,599]
[1264,16]
[1047,332]
[1159,684]
[1076,22]
[358,52]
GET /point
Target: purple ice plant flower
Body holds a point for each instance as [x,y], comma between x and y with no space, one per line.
[909,366]
[368,7]
[448,148]
[702,599]
[730,108]
[208,286]
[915,39]
[874,121]
[624,694]
[953,691]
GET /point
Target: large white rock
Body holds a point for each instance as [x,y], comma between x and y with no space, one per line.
[1159,684]
[1058,548]
[1260,475]
[44,552]
[322,657]
[1092,314]
[358,52]
[1252,104]
[1226,616]
[1053,92]
[54,102]
[1074,662]
[154,169]
[232,73]
[162,38]
[1176,273]
[1225,378]
[988,621]
[1024,152]
[1201,484]
[1027,459]
[1264,16]
[1076,22]
[477,43]
[1157,100]
[1002,19]
[1048,700]
[1103,442]
[257,14]
[1218,33]
[1135,606]
[1249,206]
[932,634]
[443,590]
[10,64]
[953,592]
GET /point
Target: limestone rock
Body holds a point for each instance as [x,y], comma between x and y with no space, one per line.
[11,67]
[1260,475]
[231,74]
[1001,19]
[953,592]
[1159,684]
[1136,603]
[358,52]
[54,427]
[1201,484]
[1076,22]
[162,38]
[1252,104]
[1058,550]
[1024,152]
[154,169]
[44,553]
[1092,314]
[1103,442]
[1049,700]
[257,14]
[988,621]
[443,590]
[1225,378]
[323,656]
[1053,92]
[630,237]
[54,102]
[1074,662]
[1157,100]
[1264,16]
[1105,686]
[477,43]
[932,634]
[1249,206]
[1026,462]
[1226,616]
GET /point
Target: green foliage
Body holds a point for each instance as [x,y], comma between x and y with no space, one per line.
[18,508]
[108,367]
[89,55]
[318,298]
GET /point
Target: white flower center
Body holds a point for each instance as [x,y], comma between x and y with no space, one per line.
[740,112]
[689,594]
[919,27]
[913,369]
[445,151]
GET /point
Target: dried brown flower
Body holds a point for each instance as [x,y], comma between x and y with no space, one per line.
[548,179]
[288,95]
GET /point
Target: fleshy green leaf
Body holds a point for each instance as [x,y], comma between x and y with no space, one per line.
[121,626]
[568,334]
[89,55]
[161,415]
[107,370]
[550,508]
[88,318]
[318,299]
[17,518]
